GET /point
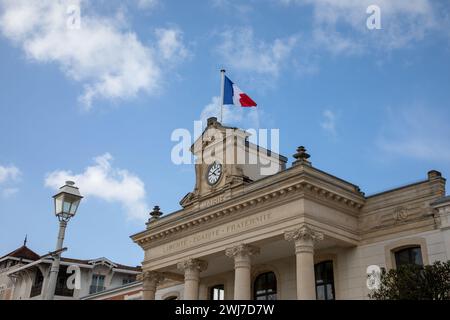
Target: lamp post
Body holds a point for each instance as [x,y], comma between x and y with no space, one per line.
[66,204]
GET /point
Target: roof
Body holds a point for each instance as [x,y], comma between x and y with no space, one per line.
[269,152]
[23,253]
[89,261]
[26,253]
[128,286]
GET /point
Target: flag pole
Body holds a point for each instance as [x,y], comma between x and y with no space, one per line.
[222,92]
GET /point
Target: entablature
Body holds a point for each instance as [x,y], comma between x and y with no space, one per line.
[295,184]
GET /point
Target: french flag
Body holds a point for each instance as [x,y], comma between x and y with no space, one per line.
[233,95]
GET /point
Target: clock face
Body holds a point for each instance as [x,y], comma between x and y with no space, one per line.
[214,173]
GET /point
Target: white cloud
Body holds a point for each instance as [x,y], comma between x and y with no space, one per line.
[170,44]
[328,123]
[241,51]
[335,42]
[416,132]
[9,175]
[103,181]
[232,115]
[236,7]
[340,25]
[9,192]
[109,60]
[147,4]
[213,110]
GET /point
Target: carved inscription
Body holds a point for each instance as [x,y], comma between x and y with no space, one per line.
[212,201]
[217,233]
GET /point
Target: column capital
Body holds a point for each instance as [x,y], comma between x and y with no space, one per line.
[242,250]
[242,266]
[191,268]
[192,265]
[303,234]
[304,238]
[151,276]
[150,281]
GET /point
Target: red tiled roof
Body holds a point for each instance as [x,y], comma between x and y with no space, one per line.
[119,266]
[23,252]
[122,266]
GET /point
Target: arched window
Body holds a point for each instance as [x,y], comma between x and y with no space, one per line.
[265,286]
[324,280]
[410,255]
[217,292]
[36,289]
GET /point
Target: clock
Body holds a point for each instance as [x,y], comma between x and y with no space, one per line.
[214,173]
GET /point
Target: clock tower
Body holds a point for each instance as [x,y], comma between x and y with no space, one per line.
[225,162]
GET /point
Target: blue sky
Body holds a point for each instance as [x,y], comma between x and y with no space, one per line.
[99,103]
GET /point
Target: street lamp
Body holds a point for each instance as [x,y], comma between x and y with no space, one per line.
[66,201]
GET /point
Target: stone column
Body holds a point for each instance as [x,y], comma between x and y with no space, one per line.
[150,280]
[192,269]
[304,238]
[242,268]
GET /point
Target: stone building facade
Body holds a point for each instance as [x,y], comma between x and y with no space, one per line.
[299,233]
[24,275]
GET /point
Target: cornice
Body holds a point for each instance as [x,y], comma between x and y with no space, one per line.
[289,176]
[412,228]
[161,230]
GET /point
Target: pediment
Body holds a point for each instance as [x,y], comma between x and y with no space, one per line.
[103,262]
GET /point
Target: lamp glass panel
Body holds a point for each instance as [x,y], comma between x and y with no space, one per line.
[58,204]
[66,206]
[74,207]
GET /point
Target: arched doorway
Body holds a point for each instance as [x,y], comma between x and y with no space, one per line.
[265,286]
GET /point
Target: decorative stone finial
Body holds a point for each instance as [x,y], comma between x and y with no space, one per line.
[301,156]
[211,121]
[155,214]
